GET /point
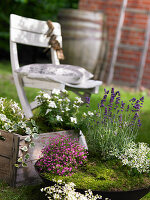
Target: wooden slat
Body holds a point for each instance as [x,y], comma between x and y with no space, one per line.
[8,157]
[45,85]
[79,34]
[6,146]
[5,169]
[125,65]
[13,169]
[32,25]
[30,38]
[86,15]
[130,47]
[129,28]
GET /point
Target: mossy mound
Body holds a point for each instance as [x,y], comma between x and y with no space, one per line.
[105,176]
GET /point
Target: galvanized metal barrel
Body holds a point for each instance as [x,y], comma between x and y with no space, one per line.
[82,37]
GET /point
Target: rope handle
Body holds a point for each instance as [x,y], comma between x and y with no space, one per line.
[53,42]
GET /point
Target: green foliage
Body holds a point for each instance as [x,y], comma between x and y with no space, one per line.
[12,119]
[33,192]
[11,110]
[104,176]
[136,156]
[41,9]
[21,193]
[6,82]
[112,125]
[57,110]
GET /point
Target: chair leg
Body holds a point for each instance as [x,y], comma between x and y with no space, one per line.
[96,90]
[86,92]
[22,97]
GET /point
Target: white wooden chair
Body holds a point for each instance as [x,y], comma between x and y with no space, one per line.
[43,76]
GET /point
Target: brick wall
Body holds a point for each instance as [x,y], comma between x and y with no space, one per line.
[111,8]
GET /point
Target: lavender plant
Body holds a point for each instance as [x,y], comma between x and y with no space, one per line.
[57,109]
[62,156]
[113,125]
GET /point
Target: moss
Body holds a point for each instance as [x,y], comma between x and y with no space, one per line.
[110,175]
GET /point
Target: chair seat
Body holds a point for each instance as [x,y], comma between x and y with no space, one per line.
[33,32]
[66,74]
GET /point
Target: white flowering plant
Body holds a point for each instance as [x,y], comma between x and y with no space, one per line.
[136,156]
[12,120]
[66,191]
[57,110]
[10,109]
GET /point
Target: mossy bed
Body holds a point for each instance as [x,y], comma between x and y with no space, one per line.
[104,176]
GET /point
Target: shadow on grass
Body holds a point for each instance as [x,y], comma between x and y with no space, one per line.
[31,192]
[144,131]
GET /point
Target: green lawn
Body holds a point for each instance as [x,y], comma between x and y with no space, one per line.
[7,89]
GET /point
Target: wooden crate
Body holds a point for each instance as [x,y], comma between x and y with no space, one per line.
[9,152]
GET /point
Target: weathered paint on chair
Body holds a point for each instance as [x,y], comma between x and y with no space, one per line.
[30,32]
[33,32]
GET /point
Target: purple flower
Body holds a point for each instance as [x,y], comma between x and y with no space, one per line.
[102,105]
[118,93]
[135,116]
[139,123]
[105,113]
[142,99]
[122,104]
[127,108]
[120,118]
[133,99]
[106,91]
[87,100]
[117,100]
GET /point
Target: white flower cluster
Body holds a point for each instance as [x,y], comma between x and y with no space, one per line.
[59,105]
[88,114]
[11,107]
[66,191]
[136,156]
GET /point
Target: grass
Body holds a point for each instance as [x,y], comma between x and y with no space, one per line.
[7,89]
[104,176]
[21,193]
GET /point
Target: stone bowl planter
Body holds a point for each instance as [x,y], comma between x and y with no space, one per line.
[122,195]
[10,151]
[113,195]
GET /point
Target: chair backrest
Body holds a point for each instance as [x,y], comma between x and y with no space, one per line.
[31,32]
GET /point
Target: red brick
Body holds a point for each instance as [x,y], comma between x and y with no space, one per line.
[112,10]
